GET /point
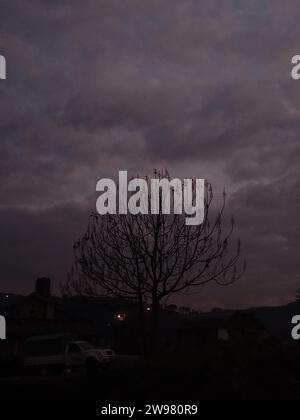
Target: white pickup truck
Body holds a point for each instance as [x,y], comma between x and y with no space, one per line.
[59,353]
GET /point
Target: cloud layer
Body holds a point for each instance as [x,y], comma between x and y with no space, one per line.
[202,88]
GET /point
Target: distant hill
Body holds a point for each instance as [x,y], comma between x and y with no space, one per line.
[276,320]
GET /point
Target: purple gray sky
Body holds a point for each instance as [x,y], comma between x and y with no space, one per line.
[202,88]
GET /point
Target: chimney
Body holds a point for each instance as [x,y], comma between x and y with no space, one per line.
[42,287]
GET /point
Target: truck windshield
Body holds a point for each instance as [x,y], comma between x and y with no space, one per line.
[86,346]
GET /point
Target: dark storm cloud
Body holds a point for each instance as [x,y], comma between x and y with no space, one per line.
[33,243]
[202,88]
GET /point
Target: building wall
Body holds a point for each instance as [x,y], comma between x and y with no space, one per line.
[34,309]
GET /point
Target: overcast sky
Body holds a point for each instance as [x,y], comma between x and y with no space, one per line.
[202,88]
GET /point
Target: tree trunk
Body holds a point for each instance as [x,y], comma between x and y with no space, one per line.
[154,325]
[143,327]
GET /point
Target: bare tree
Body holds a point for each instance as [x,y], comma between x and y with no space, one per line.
[149,258]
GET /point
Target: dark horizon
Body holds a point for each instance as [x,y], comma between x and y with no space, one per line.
[176,301]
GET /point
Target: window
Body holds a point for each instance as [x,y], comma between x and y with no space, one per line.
[74,348]
[86,346]
[120,316]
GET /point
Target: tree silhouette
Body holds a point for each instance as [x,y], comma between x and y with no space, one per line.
[149,258]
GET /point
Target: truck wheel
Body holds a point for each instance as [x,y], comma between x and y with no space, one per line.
[106,366]
[43,371]
[91,366]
